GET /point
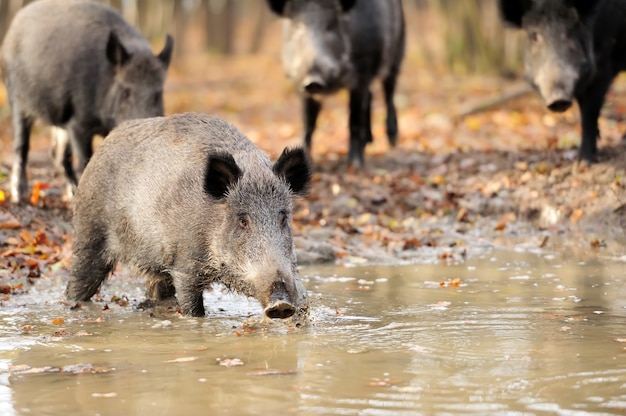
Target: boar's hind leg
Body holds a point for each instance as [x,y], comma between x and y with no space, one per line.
[160,287]
[389,86]
[88,271]
[189,293]
[21,135]
[590,102]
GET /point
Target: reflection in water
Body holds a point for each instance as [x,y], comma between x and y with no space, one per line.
[525,333]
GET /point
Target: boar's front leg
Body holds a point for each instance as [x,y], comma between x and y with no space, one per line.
[389,86]
[590,101]
[310,110]
[189,293]
[360,128]
[21,138]
[89,267]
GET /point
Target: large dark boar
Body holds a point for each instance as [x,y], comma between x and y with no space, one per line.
[575,49]
[333,44]
[188,200]
[77,65]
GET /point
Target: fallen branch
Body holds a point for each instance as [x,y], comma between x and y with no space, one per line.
[493,102]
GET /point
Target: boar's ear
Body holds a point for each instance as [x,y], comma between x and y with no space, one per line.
[221,173]
[277,6]
[116,52]
[346,5]
[165,56]
[584,8]
[294,166]
[512,11]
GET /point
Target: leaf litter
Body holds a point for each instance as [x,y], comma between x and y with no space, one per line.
[453,185]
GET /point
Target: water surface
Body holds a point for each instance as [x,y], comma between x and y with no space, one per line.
[501,332]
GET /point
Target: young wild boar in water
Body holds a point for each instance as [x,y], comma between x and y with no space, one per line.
[188,200]
[575,49]
[333,44]
[79,66]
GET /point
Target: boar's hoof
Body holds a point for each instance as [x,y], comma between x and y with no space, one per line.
[280,309]
[560,105]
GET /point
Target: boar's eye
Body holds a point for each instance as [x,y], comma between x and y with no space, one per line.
[243,220]
[125,94]
[284,219]
[156,99]
[332,26]
[533,37]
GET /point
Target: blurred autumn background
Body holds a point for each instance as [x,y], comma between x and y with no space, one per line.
[480,161]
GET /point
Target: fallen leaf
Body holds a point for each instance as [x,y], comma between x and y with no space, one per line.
[230,362]
[34,198]
[181,360]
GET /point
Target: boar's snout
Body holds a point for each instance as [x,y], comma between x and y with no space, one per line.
[314,84]
[559,105]
[556,86]
[280,305]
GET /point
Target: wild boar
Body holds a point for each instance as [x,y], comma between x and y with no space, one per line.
[188,201]
[575,49]
[330,45]
[80,66]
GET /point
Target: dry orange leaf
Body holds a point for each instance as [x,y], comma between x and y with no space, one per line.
[596,243]
[34,198]
[58,321]
[451,283]
[500,227]
[576,215]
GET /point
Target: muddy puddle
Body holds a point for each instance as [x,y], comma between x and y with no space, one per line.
[501,332]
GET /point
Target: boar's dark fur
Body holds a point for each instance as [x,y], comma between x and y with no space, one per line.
[80,66]
[188,201]
[575,49]
[333,44]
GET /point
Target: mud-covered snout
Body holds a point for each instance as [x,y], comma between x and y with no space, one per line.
[280,305]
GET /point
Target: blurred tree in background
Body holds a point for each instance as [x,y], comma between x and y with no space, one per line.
[459,36]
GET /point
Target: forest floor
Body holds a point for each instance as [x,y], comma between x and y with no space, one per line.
[506,176]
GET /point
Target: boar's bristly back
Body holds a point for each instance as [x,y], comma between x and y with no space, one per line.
[294,166]
[221,174]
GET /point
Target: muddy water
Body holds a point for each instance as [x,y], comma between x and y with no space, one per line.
[517,333]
